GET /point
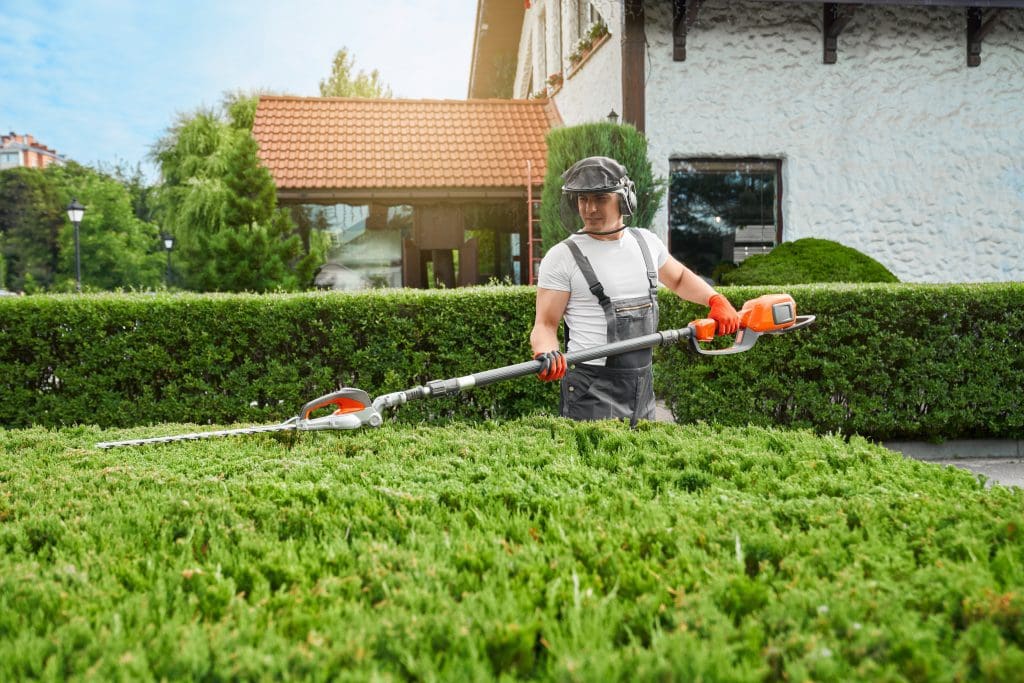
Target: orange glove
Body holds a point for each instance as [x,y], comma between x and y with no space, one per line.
[724,314]
[554,365]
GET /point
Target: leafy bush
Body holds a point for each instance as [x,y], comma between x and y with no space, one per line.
[536,549]
[621,142]
[805,261]
[887,361]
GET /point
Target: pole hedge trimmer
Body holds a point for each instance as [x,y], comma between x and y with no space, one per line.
[353,408]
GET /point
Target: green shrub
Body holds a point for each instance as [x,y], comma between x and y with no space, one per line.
[887,361]
[535,549]
[625,144]
[120,360]
[805,261]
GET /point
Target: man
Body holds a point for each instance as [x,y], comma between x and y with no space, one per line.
[603,280]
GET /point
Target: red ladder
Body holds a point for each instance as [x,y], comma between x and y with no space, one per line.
[535,241]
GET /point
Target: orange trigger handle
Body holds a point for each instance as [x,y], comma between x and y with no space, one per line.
[703,329]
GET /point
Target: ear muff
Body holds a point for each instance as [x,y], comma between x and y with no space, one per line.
[627,197]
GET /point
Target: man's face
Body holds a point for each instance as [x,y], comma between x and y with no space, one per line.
[599,211]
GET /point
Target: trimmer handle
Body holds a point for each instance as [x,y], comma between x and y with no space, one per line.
[768,314]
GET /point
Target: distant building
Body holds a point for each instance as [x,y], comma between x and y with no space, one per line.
[410,190]
[24,150]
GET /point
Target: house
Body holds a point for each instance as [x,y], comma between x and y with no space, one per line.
[891,126]
[412,192]
[24,150]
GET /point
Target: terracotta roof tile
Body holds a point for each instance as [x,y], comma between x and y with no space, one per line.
[316,142]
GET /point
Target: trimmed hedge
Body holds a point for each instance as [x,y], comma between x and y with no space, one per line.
[808,260]
[123,360]
[925,362]
[535,549]
[885,361]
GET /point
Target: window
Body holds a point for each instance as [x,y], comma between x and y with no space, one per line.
[723,210]
[586,14]
[366,243]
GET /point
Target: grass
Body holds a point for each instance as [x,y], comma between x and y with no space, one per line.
[532,549]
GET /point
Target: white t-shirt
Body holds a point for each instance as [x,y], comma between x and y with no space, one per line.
[619,266]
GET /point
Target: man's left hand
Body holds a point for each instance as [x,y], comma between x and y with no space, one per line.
[724,314]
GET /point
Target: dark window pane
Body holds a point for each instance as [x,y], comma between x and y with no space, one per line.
[722,210]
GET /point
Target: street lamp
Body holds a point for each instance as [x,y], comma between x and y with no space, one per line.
[613,117]
[168,245]
[75,213]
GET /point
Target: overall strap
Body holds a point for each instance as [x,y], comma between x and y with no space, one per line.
[596,288]
[652,273]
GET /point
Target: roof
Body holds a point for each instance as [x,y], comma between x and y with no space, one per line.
[323,148]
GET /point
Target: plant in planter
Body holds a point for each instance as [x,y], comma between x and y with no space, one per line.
[597,31]
[580,50]
[555,80]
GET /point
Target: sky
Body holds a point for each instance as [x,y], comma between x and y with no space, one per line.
[100,81]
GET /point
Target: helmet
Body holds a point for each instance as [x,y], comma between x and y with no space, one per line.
[596,175]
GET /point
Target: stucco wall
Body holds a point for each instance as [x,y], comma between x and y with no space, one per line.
[899,149]
[596,87]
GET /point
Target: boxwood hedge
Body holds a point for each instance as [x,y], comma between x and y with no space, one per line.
[886,361]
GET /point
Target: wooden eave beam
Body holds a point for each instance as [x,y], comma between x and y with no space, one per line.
[836,17]
[979,24]
[684,16]
[397,196]
[634,53]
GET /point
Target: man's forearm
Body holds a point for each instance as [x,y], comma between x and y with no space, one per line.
[543,338]
[692,287]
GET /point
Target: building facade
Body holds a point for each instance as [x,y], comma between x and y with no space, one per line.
[24,150]
[891,127]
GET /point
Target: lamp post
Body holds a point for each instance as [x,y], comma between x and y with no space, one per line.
[613,117]
[168,245]
[75,213]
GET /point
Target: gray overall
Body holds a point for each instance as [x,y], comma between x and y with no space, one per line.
[624,387]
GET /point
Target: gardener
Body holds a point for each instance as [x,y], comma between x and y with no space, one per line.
[603,280]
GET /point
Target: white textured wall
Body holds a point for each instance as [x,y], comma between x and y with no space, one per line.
[899,149]
[593,90]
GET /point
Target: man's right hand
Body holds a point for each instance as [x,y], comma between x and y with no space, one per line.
[553,365]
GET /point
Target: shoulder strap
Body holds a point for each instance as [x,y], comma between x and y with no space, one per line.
[596,288]
[652,272]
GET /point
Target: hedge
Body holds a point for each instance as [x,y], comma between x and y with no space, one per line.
[535,549]
[884,361]
[887,361]
[808,260]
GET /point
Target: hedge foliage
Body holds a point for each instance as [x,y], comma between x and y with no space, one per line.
[927,362]
[886,361]
[807,261]
[536,549]
[121,360]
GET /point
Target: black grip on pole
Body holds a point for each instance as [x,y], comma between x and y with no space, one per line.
[532,367]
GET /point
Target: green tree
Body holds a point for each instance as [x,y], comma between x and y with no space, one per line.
[220,203]
[625,144]
[31,217]
[344,82]
[118,249]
